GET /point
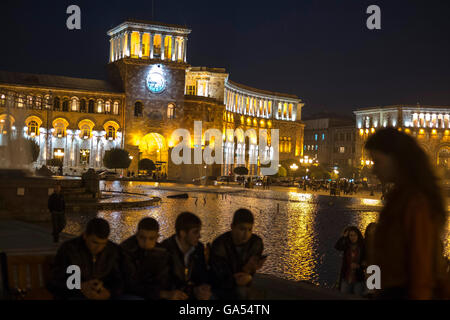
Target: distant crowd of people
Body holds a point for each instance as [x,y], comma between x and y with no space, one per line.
[178,268]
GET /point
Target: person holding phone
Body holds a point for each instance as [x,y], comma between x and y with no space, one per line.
[235,257]
[99,261]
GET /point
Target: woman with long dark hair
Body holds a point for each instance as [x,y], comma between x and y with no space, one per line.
[351,279]
[407,242]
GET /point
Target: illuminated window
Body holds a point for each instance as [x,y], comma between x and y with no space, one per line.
[74,105]
[116,107]
[33,128]
[138,109]
[323,136]
[100,106]
[2,100]
[39,102]
[157,46]
[47,101]
[168,47]
[191,91]
[85,131]
[60,130]
[84,156]
[20,101]
[108,106]
[341,149]
[29,102]
[315,136]
[171,111]
[111,135]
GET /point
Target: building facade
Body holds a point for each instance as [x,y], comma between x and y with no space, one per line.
[151,92]
[330,141]
[430,125]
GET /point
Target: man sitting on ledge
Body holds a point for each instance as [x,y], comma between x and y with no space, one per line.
[99,263]
[235,257]
[189,272]
[147,264]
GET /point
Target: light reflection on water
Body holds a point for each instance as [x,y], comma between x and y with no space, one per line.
[299,235]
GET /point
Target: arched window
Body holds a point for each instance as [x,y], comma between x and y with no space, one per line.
[74,104]
[111,134]
[60,130]
[82,105]
[56,104]
[108,106]
[138,109]
[100,106]
[116,107]
[171,111]
[85,131]
[65,105]
[33,128]
[91,106]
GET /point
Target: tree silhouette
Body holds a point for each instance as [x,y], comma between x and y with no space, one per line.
[116,158]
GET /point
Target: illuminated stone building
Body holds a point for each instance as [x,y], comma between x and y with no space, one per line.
[73,119]
[430,125]
[151,91]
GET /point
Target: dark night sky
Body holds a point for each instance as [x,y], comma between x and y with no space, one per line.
[319,50]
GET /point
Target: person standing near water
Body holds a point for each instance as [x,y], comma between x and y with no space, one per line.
[57,208]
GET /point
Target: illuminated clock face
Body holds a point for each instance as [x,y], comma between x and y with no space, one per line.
[155,82]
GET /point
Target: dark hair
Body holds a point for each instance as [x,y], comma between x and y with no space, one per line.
[187,221]
[242,216]
[98,227]
[356,230]
[148,224]
[370,228]
[415,172]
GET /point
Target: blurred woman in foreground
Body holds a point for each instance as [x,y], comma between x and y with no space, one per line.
[407,243]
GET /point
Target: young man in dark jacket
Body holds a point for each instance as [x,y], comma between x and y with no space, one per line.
[57,208]
[188,266]
[235,257]
[147,265]
[99,263]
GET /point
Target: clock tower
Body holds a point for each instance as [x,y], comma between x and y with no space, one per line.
[147,61]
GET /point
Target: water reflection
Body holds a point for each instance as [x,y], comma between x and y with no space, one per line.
[299,235]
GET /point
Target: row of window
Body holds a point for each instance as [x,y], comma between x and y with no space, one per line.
[139,111]
[63,104]
[60,130]
[338,149]
[285,144]
[349,136]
